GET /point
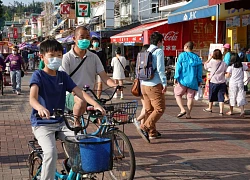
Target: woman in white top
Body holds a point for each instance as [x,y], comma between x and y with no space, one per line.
[236,83]
[118,63]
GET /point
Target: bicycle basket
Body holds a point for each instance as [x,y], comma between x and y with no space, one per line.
[122,112]
[89,154]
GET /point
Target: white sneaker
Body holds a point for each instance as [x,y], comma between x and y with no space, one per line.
[136,123]
[18,92]
[115,96]
[121,96]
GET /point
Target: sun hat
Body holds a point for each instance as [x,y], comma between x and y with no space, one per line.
[228,46]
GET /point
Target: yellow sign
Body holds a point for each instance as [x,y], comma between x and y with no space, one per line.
[232,12]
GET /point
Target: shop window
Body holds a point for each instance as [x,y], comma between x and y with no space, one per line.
[155,8]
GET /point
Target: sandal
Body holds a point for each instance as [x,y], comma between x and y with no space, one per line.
[207,110]
[221,114]
[181,114]
[229,113]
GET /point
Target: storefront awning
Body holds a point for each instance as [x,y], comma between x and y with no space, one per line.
[195,9]
[214,2]
[135,35]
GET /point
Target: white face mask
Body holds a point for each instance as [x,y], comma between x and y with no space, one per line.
[54,63]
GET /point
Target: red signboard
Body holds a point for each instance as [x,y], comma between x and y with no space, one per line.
[15,33]
[127,39]
[172,34]
[65,9]
[214,2]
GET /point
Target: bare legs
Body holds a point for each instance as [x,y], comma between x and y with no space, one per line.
[120,81]
[190,103]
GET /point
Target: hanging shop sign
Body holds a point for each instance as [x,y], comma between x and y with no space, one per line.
[65,9]
[245,20]
[233,21]
[82,9]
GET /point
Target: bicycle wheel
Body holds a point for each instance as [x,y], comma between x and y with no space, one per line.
[123,156]
[35,166]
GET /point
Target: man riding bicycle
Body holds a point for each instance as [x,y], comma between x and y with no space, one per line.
[87,71]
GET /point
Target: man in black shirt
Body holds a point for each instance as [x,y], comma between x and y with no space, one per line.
[95,43]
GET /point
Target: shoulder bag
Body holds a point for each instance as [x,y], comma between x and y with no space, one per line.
[214,72]
[71,74]
[126,72]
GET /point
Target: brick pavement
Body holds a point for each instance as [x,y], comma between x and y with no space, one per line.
[207,146]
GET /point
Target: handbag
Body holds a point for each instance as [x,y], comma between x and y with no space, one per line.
[126,72]
[136,88]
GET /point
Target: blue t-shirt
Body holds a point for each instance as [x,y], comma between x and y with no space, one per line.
[51,95]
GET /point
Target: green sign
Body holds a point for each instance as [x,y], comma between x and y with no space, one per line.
[82,9]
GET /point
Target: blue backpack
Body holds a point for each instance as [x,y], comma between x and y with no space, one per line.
[144,65]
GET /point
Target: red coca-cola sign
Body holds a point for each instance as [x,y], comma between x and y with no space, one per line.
[171,36]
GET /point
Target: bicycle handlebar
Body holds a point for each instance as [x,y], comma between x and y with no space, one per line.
[57,113]
[102,100]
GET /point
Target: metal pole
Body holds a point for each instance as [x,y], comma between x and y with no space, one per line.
[217,23]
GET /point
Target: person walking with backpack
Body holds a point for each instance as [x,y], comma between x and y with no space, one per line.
[153,86]
[118,63]
[188,76]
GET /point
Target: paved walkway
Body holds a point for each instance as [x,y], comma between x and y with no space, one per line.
[207,146]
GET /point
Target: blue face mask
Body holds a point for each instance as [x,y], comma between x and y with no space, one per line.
[95,44]
[54,63]
[83,43]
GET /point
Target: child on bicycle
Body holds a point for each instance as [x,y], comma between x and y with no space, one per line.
[47,92]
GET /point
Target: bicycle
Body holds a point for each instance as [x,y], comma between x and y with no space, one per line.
[75,173]
[124,164]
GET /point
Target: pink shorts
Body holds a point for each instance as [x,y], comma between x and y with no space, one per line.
[180,90]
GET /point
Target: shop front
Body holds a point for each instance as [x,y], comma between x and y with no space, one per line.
[132,40]
[195,19]
[237,26]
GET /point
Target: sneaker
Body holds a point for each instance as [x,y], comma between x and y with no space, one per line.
[158,135]
[121,96]
[136,123]
[13,91]
[143,134]
[115,96]
[18,92]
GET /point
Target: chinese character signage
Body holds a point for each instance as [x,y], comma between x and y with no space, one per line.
[82,9]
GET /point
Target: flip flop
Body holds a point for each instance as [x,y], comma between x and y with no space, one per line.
[229,113]
[181,114]
[206,110]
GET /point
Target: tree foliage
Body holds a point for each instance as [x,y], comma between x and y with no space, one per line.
[7,11]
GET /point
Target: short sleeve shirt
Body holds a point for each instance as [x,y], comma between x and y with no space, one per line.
[86,74]
[52,93]
[237,74]
[15,62]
